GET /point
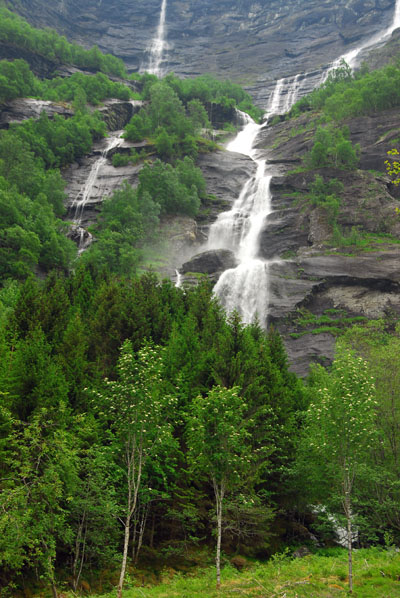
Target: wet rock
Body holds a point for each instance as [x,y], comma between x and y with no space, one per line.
[21,109]
[225,174]
[117,113]
[310,348]
[210,262]
[231,38]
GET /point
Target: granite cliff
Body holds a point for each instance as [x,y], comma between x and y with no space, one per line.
[251,42]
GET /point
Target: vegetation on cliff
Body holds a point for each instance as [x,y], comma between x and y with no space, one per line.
[17,32]
[135,417]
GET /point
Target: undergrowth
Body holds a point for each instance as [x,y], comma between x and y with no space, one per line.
[323,575]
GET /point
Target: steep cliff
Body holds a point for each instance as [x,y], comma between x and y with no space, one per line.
[251,42]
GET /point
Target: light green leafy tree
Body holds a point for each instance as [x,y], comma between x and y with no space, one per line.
[140,430]
[339,436]
[217,441]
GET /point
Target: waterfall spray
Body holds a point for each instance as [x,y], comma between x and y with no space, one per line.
[158,44]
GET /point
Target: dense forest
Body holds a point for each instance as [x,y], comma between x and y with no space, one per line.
[139,425]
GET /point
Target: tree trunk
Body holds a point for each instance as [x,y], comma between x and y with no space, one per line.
[219,496]
[348,513]
[124,556]
[350,550]
[218,557]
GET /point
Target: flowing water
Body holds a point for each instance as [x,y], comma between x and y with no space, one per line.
[92,181]
[290,89]
[352,57]
[158,44]
[245,288]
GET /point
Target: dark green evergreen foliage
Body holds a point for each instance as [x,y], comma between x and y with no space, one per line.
[16,31]
[64,335]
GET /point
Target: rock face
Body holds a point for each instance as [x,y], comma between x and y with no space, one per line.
[314,286]
[210,262]
[21,109]
[251,42]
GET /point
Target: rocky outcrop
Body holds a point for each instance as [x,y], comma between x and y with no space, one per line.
[307,271]
[253,42]
[21,109]
[210,262]
[225,174]
[107,180]
[117,114]
[354,287]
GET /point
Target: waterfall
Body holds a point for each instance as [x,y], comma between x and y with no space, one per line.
[158,44]
[290,89]
[245,288]
[86,191]
[352,57]
[178,281]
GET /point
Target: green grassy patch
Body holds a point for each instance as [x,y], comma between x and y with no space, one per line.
[333,321]
[324,575]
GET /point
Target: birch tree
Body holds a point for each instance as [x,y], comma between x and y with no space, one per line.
[339,436]
[216,436]
[137,410]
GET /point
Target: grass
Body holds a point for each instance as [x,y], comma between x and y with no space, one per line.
[323,575]
[332,321]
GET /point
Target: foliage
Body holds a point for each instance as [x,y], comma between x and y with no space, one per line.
[380,347]
[179,112]
[216,436]
[138,414]
[325,194]
[345,95]
[332,147]
[338,437]
[61,338]
[393,166]
[46,42]
[129,219]
[17,80]
[320,575]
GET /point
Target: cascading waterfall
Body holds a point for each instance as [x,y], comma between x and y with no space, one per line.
[158,44]
[289,89]
[352,57]
[245,288]
[86,191]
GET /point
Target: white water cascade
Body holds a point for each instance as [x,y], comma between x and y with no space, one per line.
[245,288]
[352,57]
[289,89]
[86,190]
[158,44]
